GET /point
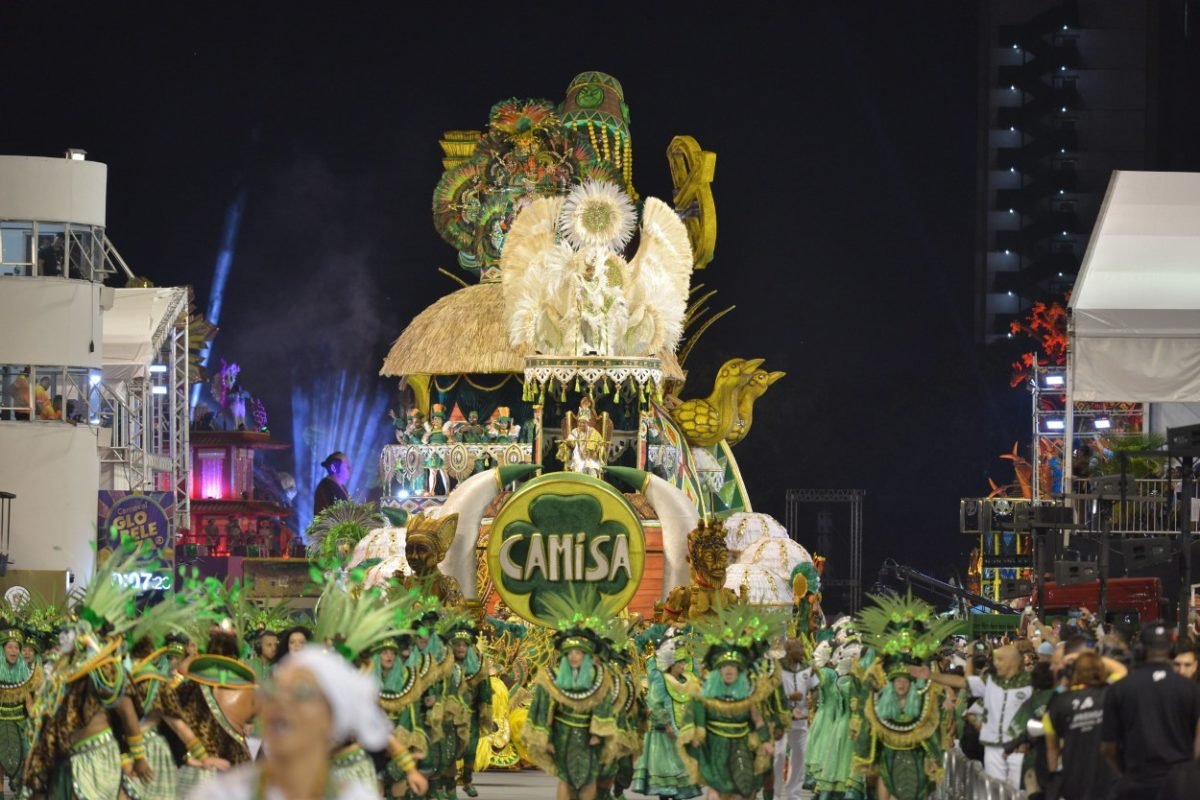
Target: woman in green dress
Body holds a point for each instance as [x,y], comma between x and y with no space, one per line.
[571,715]
[664,768]
[735,700]
[18,681]
[897,732]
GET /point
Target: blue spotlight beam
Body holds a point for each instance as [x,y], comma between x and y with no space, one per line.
[233,221]
[337,411]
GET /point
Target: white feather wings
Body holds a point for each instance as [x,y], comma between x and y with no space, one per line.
[649,293]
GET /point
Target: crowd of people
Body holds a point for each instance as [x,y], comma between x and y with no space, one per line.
[389,692]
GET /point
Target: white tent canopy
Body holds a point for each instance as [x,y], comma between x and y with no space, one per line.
[135,329]
[1135,310]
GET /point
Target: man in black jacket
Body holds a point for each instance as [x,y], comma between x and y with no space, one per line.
[1151,720]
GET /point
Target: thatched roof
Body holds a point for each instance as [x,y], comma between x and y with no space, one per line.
[467,332]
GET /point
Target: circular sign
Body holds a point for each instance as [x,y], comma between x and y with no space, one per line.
[559,533]
[17,597]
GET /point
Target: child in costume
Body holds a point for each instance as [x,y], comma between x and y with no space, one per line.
[737,747]
[664,768]
[898,747]
[571,713]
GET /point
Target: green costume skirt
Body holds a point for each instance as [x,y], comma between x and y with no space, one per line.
[660,771]
[577,762]
[164,784]
[189,777]
[904,773]
[12,749]
[93,772]
[727,763]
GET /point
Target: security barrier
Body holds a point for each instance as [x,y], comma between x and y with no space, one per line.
[964,779]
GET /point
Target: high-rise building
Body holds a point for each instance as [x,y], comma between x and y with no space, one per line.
[1068,92]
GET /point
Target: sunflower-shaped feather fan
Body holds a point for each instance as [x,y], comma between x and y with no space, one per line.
[333,533]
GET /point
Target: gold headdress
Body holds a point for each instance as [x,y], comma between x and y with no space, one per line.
[434,533]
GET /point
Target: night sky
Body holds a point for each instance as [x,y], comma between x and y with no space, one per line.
[845,188]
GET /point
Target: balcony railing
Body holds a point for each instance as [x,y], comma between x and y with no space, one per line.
[1151,506]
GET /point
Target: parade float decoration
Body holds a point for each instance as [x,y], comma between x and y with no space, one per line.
[545,439]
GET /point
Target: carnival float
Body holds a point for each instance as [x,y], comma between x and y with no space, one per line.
[547,414]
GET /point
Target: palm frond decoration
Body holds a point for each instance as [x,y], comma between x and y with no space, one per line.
[175,614]
[333,533]
[108,601]
[903,628]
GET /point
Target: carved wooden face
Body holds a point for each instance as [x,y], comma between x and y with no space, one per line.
[421,553]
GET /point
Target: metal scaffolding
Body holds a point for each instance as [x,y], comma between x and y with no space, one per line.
[146,417]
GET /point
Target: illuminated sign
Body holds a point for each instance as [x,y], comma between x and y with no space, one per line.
[146,520]
[561,531]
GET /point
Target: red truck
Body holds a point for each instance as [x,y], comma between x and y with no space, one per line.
[1129,599]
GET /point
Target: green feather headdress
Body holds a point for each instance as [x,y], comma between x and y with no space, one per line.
[582,618]
[904,628]
[738,628]
[272,618]
[333,533]
[353,621]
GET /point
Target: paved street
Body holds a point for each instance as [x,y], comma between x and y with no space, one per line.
[525,785]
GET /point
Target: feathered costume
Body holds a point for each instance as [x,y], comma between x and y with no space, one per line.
[899,736]
[213,693]
[353,622]
[664,769]
[734,752]
[567,288]
[571,717]
[88,681]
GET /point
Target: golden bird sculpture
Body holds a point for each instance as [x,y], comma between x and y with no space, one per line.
[755,388]
[706,421]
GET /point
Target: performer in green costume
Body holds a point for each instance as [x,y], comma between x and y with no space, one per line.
[664,768]
[444,716]
[571,714]
[400,697]
[737,748]
[475,689]
[898,747]
[18,682]
[73,752]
